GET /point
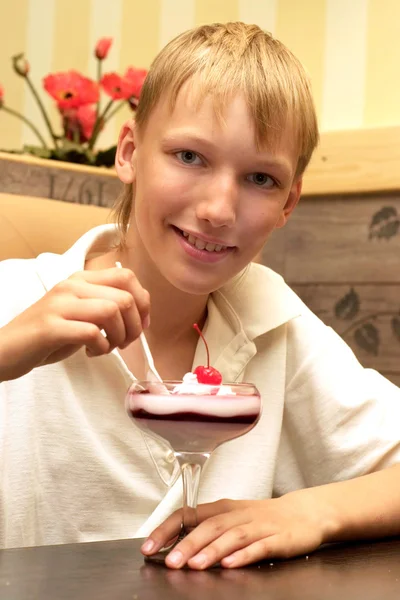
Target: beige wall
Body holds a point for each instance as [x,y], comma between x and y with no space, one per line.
[351,48]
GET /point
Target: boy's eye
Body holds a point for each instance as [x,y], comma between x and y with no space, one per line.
[188,157]
[261,180]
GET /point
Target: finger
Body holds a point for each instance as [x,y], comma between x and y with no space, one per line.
[172,525]
[105,314]
[200,548]
[134,302]
[123,279]
[85,290]
[272,547]
[113,325]
[72,335]
[160,537]
[142,298]
[232,540]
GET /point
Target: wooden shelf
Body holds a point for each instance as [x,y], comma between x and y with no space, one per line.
[59,164]
[359,161]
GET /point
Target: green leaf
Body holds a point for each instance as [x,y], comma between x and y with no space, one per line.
[348,306]
[38,151]
[74,153]
[367,337]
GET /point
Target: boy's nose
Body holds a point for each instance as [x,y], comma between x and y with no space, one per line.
[219,202]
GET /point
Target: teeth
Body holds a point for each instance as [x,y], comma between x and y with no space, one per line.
[210,247]
[201,245]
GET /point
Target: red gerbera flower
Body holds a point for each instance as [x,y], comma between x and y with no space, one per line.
[79,122]
[1,96]
[136,79]
[86,116]
[102,48]
[71,89]
[115,86]
[122,88]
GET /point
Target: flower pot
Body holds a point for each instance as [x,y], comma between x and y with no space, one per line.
[30,176]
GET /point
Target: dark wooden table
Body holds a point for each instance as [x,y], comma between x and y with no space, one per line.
[116,571]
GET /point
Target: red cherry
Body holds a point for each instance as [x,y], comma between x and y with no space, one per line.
[207,374]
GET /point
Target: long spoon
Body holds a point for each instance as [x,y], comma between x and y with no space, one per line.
[152,373]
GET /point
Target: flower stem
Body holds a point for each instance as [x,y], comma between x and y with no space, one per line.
[99,65]
[370,317]
[97,125]
[27,121]
[116,109]
[42,110]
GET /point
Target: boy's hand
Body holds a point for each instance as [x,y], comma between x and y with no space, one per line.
[72,315]
[240,532]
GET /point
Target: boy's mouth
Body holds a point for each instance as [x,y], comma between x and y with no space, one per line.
[202,244]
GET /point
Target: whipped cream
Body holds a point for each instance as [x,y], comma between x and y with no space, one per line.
[190,385]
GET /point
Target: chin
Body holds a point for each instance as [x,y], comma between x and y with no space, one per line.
[195,288]
[200,286]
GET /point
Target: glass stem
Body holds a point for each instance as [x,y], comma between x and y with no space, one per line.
[191,467]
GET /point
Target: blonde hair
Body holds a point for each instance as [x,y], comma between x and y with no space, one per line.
[228,59]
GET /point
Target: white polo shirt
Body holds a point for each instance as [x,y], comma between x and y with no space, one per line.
[75,468]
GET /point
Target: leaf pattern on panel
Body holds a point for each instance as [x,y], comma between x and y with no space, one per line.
[385,223]
[348,306]
[383,215]
[396,327]
[367,337]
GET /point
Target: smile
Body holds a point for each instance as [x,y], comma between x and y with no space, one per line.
[203,250]
[202,244]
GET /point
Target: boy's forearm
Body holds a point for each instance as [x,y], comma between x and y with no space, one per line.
[361,508]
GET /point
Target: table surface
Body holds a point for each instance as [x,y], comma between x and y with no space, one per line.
[116,571]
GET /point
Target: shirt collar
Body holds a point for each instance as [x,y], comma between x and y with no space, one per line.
[258,299]
[254,302]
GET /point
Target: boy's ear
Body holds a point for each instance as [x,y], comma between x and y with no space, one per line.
[125,154]
[291,202]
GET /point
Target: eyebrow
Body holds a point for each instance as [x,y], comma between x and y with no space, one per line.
[188,136]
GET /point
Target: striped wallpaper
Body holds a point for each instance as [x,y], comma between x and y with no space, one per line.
[351,49]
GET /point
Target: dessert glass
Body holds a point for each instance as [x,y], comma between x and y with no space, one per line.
[194,424]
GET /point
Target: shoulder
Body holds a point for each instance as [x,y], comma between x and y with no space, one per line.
[24,281]
[20,287]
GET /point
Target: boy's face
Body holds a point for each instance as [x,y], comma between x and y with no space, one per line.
[206,199]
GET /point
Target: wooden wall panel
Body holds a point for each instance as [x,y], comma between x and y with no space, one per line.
[342,257]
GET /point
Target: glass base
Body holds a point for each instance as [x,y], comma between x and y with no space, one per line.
[159,557]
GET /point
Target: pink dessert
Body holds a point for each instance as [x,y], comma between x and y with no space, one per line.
[197,414]
[196,417]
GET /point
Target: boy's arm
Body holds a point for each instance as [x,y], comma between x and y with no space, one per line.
[361,508]
[241,532]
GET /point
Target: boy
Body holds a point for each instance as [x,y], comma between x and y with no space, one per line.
[212,165]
